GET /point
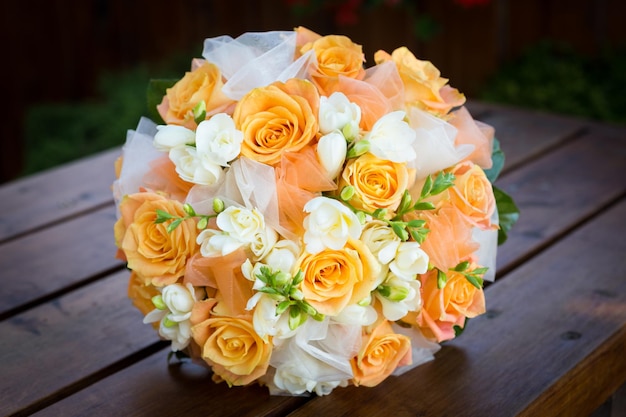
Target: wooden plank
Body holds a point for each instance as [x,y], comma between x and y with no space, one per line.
[151,387]
[37,265]
[525,134]
[556,192]
[56,345]
[56,194]
[552,343]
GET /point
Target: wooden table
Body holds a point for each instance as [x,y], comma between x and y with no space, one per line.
[552,343]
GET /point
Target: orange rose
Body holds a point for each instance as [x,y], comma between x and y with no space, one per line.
[141,295]
[377,183]
[336,56]
[444,308]
[472,194]
[156,255]
[424,87]
[279,118]
[230,345]
[202,83]
[334,279]
[382,352]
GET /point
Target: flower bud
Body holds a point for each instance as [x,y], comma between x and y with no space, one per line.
[331,152]
[218,205]
[158,302]
[359,148]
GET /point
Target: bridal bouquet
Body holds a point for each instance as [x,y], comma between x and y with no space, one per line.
[303,222]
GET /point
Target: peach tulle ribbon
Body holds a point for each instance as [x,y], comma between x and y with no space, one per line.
[224,274]
[475,133]
[299,177]
[163,178]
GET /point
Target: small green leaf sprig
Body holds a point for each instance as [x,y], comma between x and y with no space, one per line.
[474,276]
[406,229]
[190,213]
[284,288]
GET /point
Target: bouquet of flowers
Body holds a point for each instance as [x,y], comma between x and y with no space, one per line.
[302,222]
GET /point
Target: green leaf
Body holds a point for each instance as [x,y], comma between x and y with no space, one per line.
[457,330]
[173,225]
[199,112]
[419,234]
[462,266]
[508,213]
[428,185]
[379,213]
[400,230]
[424,205]
[405,203]
[416,223]
[282,307]
[162,216]
[442,183]
[474,280]
[497,156]
[156,91]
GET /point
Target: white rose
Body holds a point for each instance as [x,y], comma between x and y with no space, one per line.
[217,140]
[241,223]
[173,136]
[381,240]
[410,260]
[331,152]
[337,112]
[215,243]
[404,297]
[191,169]
[391,138]
[329,225]
[263,242]
[283,256]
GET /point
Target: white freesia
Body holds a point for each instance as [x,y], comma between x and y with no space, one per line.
[241,223]
[216,243]
[265,320]
[391,138]
[289,378]
[173,136]
[174,313]
[191,169]
[405,297]
[329,225]
[217,140]
[331,152]
[381,240]
[409,261]
[283,255]
[338,113]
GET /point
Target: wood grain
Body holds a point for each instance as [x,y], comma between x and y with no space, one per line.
[37,201]
[37,265]
[55,345]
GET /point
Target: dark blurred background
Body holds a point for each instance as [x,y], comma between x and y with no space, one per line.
[75,71]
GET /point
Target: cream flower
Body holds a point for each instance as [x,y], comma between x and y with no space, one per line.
[240,223]
[331,152]
[217,140]
[329,225]
[337,113]
[283,255]
[409,261]
[190,168]
[172,136]
[173,310]
[381,240]
[391,138]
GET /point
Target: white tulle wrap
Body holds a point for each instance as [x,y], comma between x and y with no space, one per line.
[256,59]
[320,352]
